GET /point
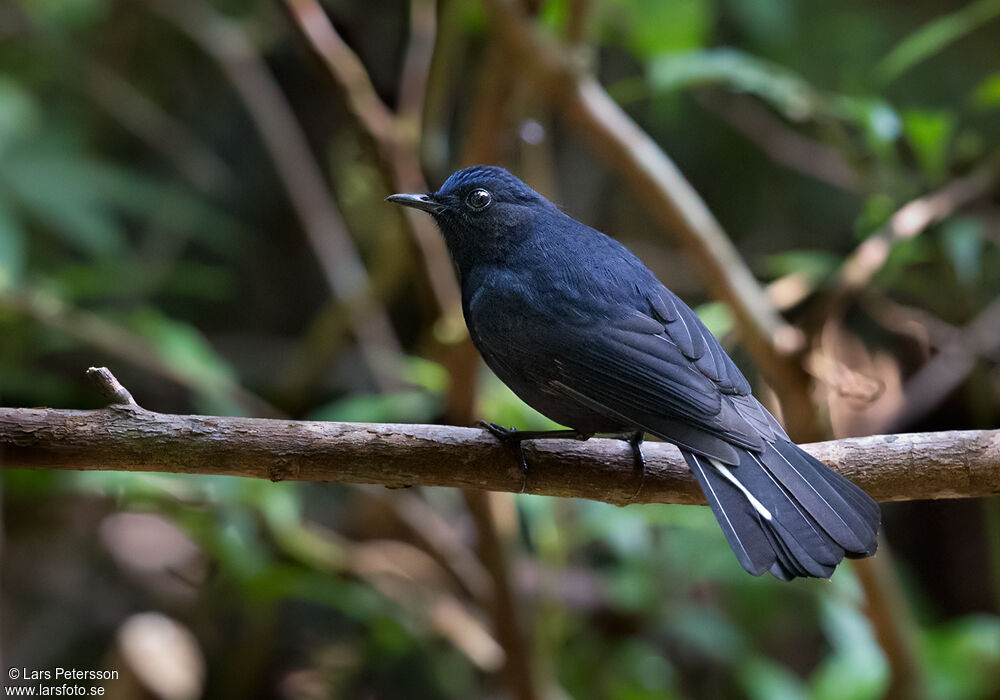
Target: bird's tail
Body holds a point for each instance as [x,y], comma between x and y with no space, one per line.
[784,511]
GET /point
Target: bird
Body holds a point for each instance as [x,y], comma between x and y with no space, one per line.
[581,330]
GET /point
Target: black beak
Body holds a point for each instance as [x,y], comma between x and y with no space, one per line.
[417,201]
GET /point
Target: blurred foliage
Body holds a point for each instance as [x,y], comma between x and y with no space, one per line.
[145,228]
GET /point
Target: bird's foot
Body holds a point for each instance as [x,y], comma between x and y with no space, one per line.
[638,459]
[499,432]
[514,435]
[510,436]
[517,437]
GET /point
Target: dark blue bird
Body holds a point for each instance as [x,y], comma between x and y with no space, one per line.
[582,331]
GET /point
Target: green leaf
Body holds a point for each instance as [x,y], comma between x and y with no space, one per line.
[240,546]
[875,213]
[26,381]
[706,630]
[765,680]
[717,317]
[658,27]
[183,348]
[814,264]
[987,93]
[962,239]
[12,246]
[82,200]
[59,14]
[643,672]
[935,36]
[54,188]
[857,668]
[18,112]
[767,21]
[964,658]
[929,133]
[497,403]
[780,86]
[133,279]
[882,124]
[424,373]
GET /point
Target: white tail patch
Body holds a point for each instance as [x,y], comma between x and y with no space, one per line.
[728,474]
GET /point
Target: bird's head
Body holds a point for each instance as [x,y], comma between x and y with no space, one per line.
[482,211]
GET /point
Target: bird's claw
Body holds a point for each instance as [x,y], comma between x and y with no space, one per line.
[638,459]
[509,436]
[498,431]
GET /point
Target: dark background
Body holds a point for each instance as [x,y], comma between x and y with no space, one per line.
[144,226]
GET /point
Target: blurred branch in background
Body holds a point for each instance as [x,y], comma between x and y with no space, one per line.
[228,44]
[897,631]
[913,218]
[395,138]
[96,332]
[781,143]
[395,143]
[493,548]
[946,371]
[414,76]
[488,139]
[158,130]
[910,220]
[404,574]
[439,537]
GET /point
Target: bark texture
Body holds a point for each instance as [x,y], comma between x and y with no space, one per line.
[124,437]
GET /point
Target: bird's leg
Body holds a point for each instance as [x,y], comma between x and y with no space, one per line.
[638,458]
[517,437]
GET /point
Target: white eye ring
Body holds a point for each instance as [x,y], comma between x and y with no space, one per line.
[479,198]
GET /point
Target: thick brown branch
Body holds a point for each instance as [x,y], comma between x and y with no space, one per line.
[956,464]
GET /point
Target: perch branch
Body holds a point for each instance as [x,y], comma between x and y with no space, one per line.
[122,437]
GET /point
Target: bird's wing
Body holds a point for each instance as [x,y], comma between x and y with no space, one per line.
[661,369]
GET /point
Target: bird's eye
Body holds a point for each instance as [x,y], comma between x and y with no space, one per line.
[479,199]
